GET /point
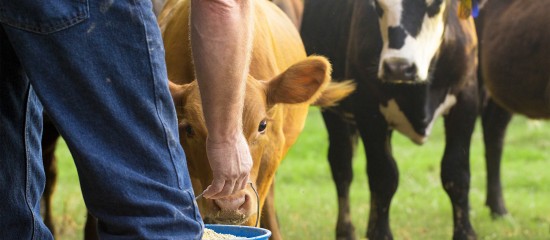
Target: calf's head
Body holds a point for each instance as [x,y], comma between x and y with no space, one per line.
[264,117]
[412,32]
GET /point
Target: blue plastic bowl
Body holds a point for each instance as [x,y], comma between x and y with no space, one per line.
[245,232]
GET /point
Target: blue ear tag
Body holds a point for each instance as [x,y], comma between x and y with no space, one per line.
[475,8]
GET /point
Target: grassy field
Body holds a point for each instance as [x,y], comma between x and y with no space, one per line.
[306,196]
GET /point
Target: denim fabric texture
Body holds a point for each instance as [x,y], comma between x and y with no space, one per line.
[97,68]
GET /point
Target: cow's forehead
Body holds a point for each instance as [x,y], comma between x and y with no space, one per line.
[411,8]
[391,3]
[412,32]
[408,15]
[254,106]
[255,100]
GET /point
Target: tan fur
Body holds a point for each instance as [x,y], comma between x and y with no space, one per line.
[301,72]
[335,92]
[281,85]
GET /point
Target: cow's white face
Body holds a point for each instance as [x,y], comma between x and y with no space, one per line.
[412,31]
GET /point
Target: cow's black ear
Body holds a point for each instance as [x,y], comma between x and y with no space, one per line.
[302,82]
[434,8]
[379,9]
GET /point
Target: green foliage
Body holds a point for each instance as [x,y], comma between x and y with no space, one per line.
[306,196]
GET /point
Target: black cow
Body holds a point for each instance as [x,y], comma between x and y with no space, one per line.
[515,68]
[412,60]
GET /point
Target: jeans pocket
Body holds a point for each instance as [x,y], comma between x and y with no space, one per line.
[43,17]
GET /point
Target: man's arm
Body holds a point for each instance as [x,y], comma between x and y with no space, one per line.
[221,40]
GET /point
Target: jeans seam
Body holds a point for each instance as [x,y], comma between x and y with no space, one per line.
[196,214]
[51,28]
[46,30]
[27,153]
[157,99]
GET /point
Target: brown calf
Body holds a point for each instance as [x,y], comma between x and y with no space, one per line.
[281,85]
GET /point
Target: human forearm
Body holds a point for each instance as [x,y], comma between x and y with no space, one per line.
[221,41]
[221,38]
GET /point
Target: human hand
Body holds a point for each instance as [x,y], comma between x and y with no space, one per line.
[231,164]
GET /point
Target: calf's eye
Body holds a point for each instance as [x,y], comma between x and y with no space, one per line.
[187,129]
[262,126]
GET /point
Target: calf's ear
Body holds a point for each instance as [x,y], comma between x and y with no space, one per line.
[300,83]
[178,92]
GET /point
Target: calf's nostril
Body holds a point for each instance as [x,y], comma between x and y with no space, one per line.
[387,68]
[397,69]
[230,203]
[410,71]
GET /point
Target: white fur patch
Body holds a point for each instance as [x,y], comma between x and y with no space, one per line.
[392,20]
[397,120]
[419,50]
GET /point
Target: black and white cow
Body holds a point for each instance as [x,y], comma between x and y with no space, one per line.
[412,60]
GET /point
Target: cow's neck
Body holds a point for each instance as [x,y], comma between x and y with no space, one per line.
[413,109]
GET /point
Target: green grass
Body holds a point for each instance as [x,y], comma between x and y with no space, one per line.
[306,196]
[68,207]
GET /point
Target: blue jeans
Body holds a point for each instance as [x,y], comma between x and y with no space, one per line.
[98,69]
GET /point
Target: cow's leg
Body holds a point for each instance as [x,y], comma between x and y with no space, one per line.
[455,166]
[342,142]
[49,140]
[382,173]
[269,216]
[495,120]
[90,229]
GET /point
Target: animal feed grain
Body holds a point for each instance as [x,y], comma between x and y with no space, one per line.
[209,234]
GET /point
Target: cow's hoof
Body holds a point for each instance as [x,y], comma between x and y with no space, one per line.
[497,210]
[465,235]
[345,232]
[350,237]
[498,214]
[379,235]
[497,207]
